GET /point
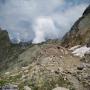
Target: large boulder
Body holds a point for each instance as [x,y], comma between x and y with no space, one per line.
[88,44]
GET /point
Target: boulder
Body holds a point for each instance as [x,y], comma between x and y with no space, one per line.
[60,88]
[27,88]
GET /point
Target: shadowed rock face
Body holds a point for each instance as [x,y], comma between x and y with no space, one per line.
[87,11]
[4,38]
[4,44]
[80,32]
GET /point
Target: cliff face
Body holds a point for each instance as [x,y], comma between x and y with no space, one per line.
[4,44]
[4,38]
[80,32]
[87,11]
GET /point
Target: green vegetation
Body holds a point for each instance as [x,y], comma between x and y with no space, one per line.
[3,82]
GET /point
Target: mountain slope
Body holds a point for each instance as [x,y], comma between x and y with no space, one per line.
[80,32]
[46,66]
[8,52]
[43,67]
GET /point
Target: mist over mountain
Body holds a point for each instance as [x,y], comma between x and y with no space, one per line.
[37,21]
[53,65]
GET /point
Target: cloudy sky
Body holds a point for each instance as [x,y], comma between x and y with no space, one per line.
[39,20]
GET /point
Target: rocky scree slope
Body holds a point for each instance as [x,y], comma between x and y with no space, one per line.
[44,67]
[47,66]
[79,37]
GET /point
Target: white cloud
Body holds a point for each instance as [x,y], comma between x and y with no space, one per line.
[81,51]
[66,19]
[38,20]
[44,28]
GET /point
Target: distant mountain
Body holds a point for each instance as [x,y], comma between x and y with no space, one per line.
[9,51]
[80,32]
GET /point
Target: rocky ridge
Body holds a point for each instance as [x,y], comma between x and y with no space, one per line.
[80,32]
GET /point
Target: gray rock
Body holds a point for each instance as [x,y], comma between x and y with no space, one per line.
[60,88]
[10,87]
[80,67]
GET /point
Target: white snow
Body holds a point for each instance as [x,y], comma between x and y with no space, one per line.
[75,47]
[80,51]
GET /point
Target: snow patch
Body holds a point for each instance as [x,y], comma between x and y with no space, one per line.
[80,51]
[75,47]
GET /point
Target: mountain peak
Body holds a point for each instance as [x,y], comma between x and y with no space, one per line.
[87,11]
[4,38]
[80,31]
